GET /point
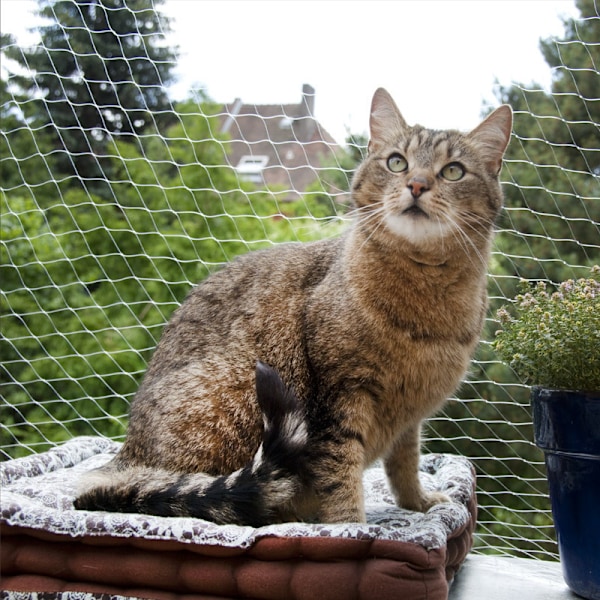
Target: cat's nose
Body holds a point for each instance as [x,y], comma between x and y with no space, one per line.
[417,186]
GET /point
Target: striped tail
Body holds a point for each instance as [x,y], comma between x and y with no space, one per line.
[253,495]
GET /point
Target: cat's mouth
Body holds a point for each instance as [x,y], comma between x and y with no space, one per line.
[414,210]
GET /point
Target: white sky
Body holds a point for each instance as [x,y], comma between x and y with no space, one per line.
[438,58]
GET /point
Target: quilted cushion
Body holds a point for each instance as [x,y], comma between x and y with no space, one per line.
[47,546]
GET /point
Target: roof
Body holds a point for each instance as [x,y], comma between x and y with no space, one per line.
[279,145]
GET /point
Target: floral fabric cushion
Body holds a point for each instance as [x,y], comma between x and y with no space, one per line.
[47,546]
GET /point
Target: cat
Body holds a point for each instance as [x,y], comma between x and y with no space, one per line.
[284,375]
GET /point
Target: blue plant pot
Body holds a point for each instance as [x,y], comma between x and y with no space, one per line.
[567,429]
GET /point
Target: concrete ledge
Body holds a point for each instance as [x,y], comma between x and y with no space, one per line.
[505,578]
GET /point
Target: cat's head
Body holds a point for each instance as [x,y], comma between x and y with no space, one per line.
[427,187]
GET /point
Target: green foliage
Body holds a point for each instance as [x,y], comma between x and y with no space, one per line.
[57,343]
[23,150]
[88,282]
[551,226]
[553,339]
[101,68]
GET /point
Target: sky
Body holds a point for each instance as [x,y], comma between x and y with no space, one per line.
[440,59]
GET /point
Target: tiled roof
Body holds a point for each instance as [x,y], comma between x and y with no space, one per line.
[286,137]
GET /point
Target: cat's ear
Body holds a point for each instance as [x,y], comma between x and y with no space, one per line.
[385,118]
[492,136]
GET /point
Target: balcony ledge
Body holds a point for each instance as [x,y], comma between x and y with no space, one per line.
[507,578]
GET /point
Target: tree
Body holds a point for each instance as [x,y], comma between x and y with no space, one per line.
[552,218]
[101,67]
[26,161]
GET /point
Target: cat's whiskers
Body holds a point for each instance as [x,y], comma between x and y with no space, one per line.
[456,231]
[333,188]
[442,236]
[465,240]
[462,229]
[373,208]
[484,234]
[375,213]
[471,250]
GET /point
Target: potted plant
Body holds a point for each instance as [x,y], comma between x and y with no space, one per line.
[551,339]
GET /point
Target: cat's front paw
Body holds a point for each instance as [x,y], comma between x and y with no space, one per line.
[424,501]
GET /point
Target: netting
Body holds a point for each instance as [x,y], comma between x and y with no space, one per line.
[115,201]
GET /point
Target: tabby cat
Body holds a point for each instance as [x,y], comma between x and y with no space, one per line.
[284,375]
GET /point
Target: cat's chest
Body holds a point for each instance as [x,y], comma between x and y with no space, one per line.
[406,394]
[412,383]
[418,321]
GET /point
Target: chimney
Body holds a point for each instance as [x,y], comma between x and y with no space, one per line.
[308,100]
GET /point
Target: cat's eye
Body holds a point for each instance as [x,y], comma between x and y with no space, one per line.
[453,171]
[397,163]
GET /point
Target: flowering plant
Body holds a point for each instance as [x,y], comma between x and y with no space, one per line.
[553,340]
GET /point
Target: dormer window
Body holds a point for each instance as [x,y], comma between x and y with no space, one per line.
[250,167]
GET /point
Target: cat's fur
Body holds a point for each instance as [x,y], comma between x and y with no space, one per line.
[365,336]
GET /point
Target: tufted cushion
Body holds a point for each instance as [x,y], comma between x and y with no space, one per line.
[47,546]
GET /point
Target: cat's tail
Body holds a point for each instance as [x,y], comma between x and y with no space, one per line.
[253,495]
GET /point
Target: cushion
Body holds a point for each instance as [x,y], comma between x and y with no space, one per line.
[47,546]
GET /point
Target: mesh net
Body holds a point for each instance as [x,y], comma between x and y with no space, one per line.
[116,201]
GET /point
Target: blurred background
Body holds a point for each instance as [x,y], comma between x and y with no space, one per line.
[145,143]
